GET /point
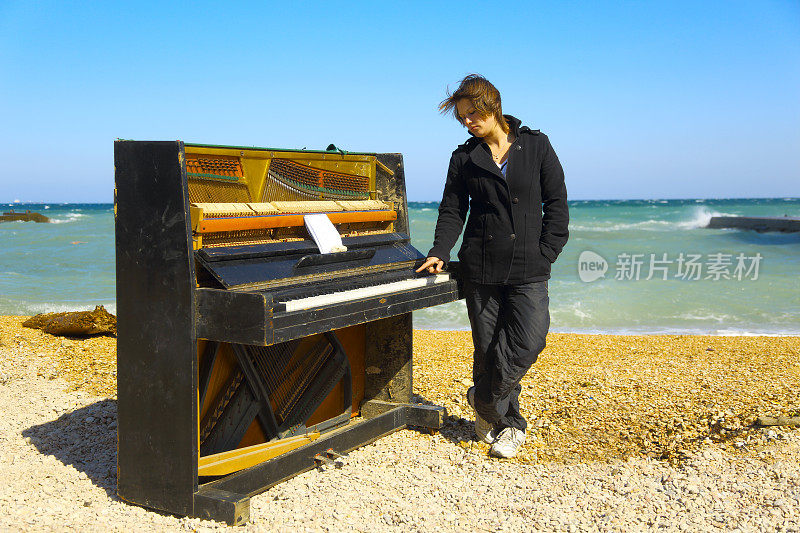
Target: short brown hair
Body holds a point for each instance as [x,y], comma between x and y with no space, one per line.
[484,97]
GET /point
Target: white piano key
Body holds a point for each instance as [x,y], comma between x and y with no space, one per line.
[363,292]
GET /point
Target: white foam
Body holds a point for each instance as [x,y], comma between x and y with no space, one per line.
[35,309]
[744,333]
[696,316]
[69,217]
[676,331]
[647,225]
[701,217]
[578,312]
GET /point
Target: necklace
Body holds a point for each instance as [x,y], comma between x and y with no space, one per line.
[500,153]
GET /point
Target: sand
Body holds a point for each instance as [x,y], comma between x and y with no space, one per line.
[626,432]
[599,397]
[588,397]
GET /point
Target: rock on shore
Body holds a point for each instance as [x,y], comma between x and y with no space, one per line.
[75,323]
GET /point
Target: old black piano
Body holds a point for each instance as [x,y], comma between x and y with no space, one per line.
[245,355]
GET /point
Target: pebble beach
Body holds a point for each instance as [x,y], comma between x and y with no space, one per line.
[626,433]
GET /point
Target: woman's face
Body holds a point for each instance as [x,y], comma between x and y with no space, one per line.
[477,125]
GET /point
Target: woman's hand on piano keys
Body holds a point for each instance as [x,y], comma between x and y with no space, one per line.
[434,265]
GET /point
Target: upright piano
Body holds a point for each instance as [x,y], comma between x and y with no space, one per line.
[245,356]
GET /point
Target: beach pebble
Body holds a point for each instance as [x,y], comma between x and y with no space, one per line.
[58,465]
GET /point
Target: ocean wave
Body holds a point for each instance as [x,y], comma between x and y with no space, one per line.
[711,316]
[699,218]
[571,310]
[649,224]
[748,333]
[15,307]
[450,316]
[678,331]
[69,217]
[35,309]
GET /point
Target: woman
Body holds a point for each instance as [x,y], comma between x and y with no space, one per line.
[509,179]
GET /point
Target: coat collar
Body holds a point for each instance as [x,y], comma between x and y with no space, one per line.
[515,125]
[480,154]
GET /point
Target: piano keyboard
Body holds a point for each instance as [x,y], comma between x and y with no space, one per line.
[363,292]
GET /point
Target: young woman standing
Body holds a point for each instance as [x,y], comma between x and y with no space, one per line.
[508,178]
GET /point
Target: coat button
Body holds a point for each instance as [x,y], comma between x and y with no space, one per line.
[513,236]
[515,200]
[489,237]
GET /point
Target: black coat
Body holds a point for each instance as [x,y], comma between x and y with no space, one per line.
[517,225]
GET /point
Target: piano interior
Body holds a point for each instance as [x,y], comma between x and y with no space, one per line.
[275,398]
[255,197]
[248,233]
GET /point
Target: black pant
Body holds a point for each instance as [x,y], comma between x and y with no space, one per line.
[509,328]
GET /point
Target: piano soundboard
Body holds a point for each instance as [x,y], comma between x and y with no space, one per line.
[244,354]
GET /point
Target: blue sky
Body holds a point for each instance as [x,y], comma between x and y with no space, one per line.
[640,99]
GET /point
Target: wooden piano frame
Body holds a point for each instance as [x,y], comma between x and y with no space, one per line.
[162,314]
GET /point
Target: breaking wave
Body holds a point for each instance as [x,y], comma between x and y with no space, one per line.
[699,218]
[67,218]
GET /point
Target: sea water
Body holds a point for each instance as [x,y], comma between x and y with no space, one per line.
[632,266]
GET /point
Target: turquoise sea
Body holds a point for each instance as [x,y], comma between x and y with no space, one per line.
[717,281]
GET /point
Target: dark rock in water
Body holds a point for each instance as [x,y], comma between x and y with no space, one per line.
[75,323]
[784,224]
[27,216]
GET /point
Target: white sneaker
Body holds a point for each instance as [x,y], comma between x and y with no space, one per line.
[483,429]
[508,442]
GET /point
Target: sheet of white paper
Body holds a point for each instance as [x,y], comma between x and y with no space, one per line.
[324,233]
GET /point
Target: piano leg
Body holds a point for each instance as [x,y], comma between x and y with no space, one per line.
[228,507]
[388,359]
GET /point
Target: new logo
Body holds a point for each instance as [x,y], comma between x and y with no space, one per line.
[591,266]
